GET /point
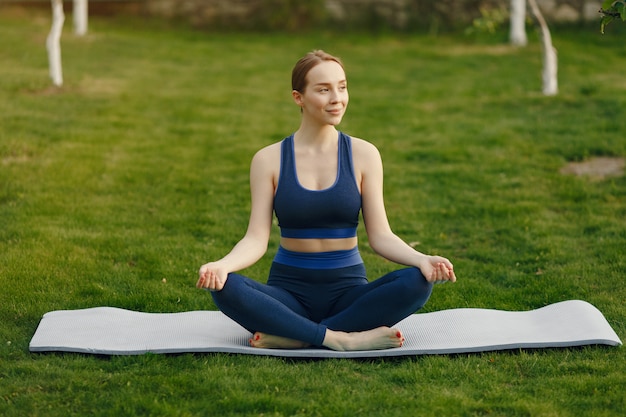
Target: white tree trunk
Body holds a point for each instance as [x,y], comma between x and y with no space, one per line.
[550,83]
[53,43]
[517,33]
[80,17]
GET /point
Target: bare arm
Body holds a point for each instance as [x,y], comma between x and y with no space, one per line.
[253,245]
[381,238]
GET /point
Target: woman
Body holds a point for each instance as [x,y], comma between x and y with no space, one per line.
[317,181]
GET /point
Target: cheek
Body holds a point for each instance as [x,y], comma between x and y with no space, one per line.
[319,101]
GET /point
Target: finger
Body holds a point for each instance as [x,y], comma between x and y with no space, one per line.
[441,271]
[201,272]
[214,281]
[448,274]
[452,276]
[206,277]
[200,282]
[209,280]
[442,274]
[448,264]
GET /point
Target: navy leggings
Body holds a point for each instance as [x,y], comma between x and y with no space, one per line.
[301,303]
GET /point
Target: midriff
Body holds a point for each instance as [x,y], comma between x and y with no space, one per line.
[318,245]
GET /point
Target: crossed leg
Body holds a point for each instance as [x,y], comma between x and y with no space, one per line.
[361,323]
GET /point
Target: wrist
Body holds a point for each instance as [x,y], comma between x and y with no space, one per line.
[421,259]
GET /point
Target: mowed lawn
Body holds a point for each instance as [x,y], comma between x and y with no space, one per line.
[115,188]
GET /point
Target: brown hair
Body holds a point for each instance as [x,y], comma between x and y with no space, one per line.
[304,65]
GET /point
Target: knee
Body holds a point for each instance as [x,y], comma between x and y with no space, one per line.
[230,289]
[417,287]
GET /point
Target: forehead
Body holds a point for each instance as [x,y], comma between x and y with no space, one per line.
[327,72]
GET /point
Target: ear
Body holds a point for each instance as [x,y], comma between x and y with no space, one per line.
[297,97]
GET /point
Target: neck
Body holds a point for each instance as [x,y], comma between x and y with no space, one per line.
[316,135]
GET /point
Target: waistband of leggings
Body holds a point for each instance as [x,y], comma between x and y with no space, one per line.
[319,260]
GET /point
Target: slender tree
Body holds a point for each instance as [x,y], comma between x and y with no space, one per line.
[53,43]
[549,73]
[80,17]
[518,23]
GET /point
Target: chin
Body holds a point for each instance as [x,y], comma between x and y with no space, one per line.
[335,121]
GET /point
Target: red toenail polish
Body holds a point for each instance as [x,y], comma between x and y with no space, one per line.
[398,334]
[257,337]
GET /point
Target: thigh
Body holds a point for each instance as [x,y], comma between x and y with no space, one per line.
[241,290]
[382,302]
[268,309]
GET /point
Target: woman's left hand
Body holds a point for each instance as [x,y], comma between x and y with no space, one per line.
[437,269]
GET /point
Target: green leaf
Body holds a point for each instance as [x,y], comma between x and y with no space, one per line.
[605,21]
[621,8]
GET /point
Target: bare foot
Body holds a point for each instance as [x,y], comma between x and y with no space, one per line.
[375,339]
[268,341]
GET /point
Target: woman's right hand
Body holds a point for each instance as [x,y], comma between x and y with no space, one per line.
[212,277]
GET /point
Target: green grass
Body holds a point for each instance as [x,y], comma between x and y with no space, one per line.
[136,171]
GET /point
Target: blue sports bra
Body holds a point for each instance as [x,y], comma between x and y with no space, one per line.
[332,213]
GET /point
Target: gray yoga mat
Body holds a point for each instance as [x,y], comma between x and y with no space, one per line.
[114,331]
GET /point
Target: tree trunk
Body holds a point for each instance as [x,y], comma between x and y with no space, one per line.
[517,34]
[53,42]
[550,84]
[80,17]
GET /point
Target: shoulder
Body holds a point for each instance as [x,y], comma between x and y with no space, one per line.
[364,152]
[268,154]
[266,161]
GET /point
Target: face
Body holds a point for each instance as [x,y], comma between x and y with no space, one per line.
[326,95]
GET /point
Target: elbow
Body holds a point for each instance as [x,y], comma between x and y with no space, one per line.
[257,244]
[383,241]
[377,243]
